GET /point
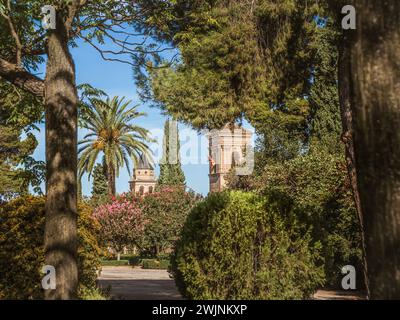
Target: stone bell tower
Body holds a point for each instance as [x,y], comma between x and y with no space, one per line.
[144,180]
[227,149]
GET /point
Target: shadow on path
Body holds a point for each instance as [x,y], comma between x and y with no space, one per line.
[127,283]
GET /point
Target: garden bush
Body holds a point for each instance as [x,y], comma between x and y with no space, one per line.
[155,264]
[165,212]
[314,190]
[235,246]
[121,223]
[22,252]
[161,262]
[93,294]
[115,263]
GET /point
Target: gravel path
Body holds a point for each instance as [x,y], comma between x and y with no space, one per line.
[139,284]
[338,295]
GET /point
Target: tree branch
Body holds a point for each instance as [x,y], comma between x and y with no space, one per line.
[73,9]
[14,34]
[21,78]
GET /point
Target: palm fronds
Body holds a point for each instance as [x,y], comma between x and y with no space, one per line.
[112,134]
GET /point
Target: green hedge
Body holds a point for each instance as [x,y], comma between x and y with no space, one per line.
[319,197]
[155,264]
[115,263]
[235,246]
[144,263]
[22,254]
[134,261]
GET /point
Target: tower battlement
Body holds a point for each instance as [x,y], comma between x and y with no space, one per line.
[144,180]
[227,149]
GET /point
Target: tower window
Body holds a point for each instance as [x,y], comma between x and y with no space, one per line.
[236,159]
[141,190]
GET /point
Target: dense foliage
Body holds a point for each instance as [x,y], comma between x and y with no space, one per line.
[236,245]
[240,59]
[100,183]
[165,212]
[121,223]
[18,170]
[275,64]
[314,191]
[22,251]
[151,223]
[308,180]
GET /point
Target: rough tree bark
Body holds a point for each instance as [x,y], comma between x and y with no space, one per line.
[375,92]
[61,156]
[111,181]
[348,140]
[59,91]
[21,78]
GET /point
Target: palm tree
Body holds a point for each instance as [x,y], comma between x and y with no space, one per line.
[112,134]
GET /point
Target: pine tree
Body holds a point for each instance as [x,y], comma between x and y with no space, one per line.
[325,120]
[171,173]
[100,186]
[18,169]
[13,180]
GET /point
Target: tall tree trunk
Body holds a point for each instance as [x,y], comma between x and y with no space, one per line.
[111,181]
[61,156]
[375,84]
[348,140]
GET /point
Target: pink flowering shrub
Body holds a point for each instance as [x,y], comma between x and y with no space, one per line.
[121,221]
[166,212]
[152,222]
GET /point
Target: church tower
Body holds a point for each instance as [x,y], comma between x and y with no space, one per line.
[227,149]
[144,180]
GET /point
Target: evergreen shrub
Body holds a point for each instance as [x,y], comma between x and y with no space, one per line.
[234,245]
[22,223]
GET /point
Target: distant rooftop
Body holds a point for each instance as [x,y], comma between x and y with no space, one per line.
[144,163]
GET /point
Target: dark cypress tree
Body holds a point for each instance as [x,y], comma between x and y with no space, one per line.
[100,187]
[171,173]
